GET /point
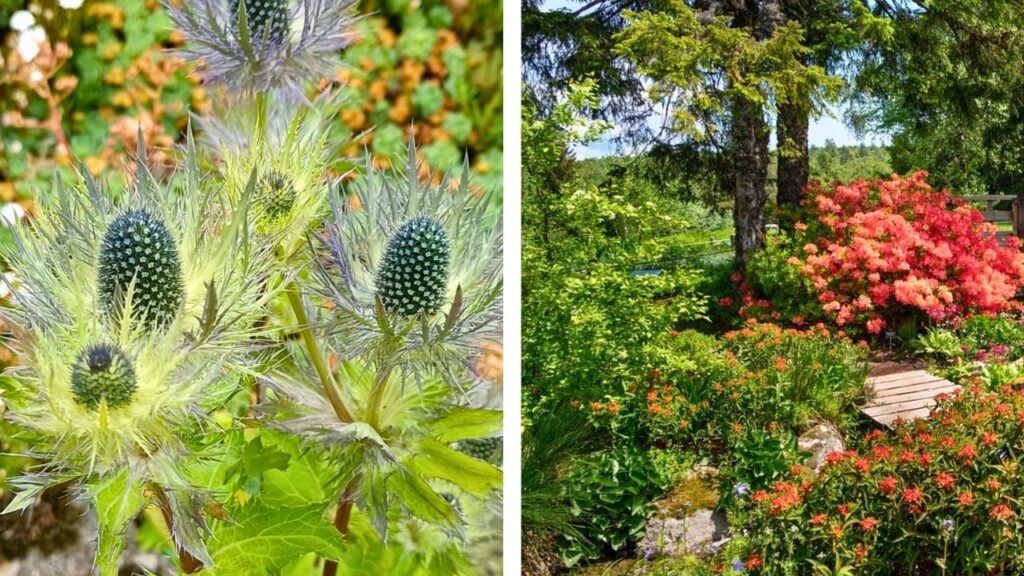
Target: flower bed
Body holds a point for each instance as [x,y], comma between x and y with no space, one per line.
[936,496]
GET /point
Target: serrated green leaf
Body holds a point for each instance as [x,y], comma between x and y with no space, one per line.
[265,539]
[435,460]
[462,423]
[421,501]
[118,500]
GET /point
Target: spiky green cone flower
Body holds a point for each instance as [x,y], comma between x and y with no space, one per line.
[413,275]
[274,199]
[123,352]
[265,18]
[281,163]
[103,374]
[138,252]
[420,260]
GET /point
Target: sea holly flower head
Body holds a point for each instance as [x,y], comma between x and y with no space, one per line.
[103,374]
[254,46]
[123,326]
[413,275]
[280,162]
[138,251]
[413,271]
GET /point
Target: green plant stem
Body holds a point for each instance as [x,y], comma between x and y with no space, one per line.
[373,408]
[316,356]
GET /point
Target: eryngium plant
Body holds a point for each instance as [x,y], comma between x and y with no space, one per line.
[253,46]
[123,323]
[413,272]
[412,277]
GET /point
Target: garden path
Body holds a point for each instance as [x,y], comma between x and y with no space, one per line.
[907,395]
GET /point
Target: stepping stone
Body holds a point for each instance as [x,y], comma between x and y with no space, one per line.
[906,395]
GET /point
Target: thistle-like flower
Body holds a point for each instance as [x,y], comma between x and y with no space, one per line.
[123,323]
[413,275]
[287,153]
[412,279]
[254,46]
[414,272]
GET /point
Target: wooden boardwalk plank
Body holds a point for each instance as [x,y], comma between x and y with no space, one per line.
[907,395]
[913,394]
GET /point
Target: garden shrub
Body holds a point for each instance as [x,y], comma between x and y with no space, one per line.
[940,495]
[593,335]
[873,253]
[715,391]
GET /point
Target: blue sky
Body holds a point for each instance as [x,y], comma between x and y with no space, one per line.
[828,127]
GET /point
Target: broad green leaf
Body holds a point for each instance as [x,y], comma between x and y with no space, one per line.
[118,498]
[265,540]
[435,460]
[421,501]
[463,423]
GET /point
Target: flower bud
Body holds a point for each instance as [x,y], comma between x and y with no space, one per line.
[138,246]
[103,373]
[274,198]
[413,275]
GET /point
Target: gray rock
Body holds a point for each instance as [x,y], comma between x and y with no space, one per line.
[821,440]
[699,533]
[77,559]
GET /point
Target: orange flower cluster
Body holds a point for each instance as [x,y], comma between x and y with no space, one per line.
[875,247]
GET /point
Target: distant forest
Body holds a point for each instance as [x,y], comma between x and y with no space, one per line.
[703,177]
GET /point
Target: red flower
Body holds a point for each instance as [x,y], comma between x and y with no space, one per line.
[868,524]
[945,480]
[1001,512]
[912,495]
[966,498]
[967,454]
[818,519]
[862,466]
[989,439]
[887,485]
[834,458]
[760,496]
[754,561]
[844,509]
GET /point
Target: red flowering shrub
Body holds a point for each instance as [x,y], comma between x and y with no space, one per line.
[877,251]
[932,494]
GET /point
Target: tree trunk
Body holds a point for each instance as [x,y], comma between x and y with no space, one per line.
[794,164]
[750,163]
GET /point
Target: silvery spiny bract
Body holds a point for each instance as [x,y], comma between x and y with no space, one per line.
[394,305]
[126,309]
[270,44]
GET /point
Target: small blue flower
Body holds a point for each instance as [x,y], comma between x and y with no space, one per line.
[649,555]
[738,565]
[947,525]
[741,489]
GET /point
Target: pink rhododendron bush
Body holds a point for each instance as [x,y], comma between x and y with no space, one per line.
[873,253]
